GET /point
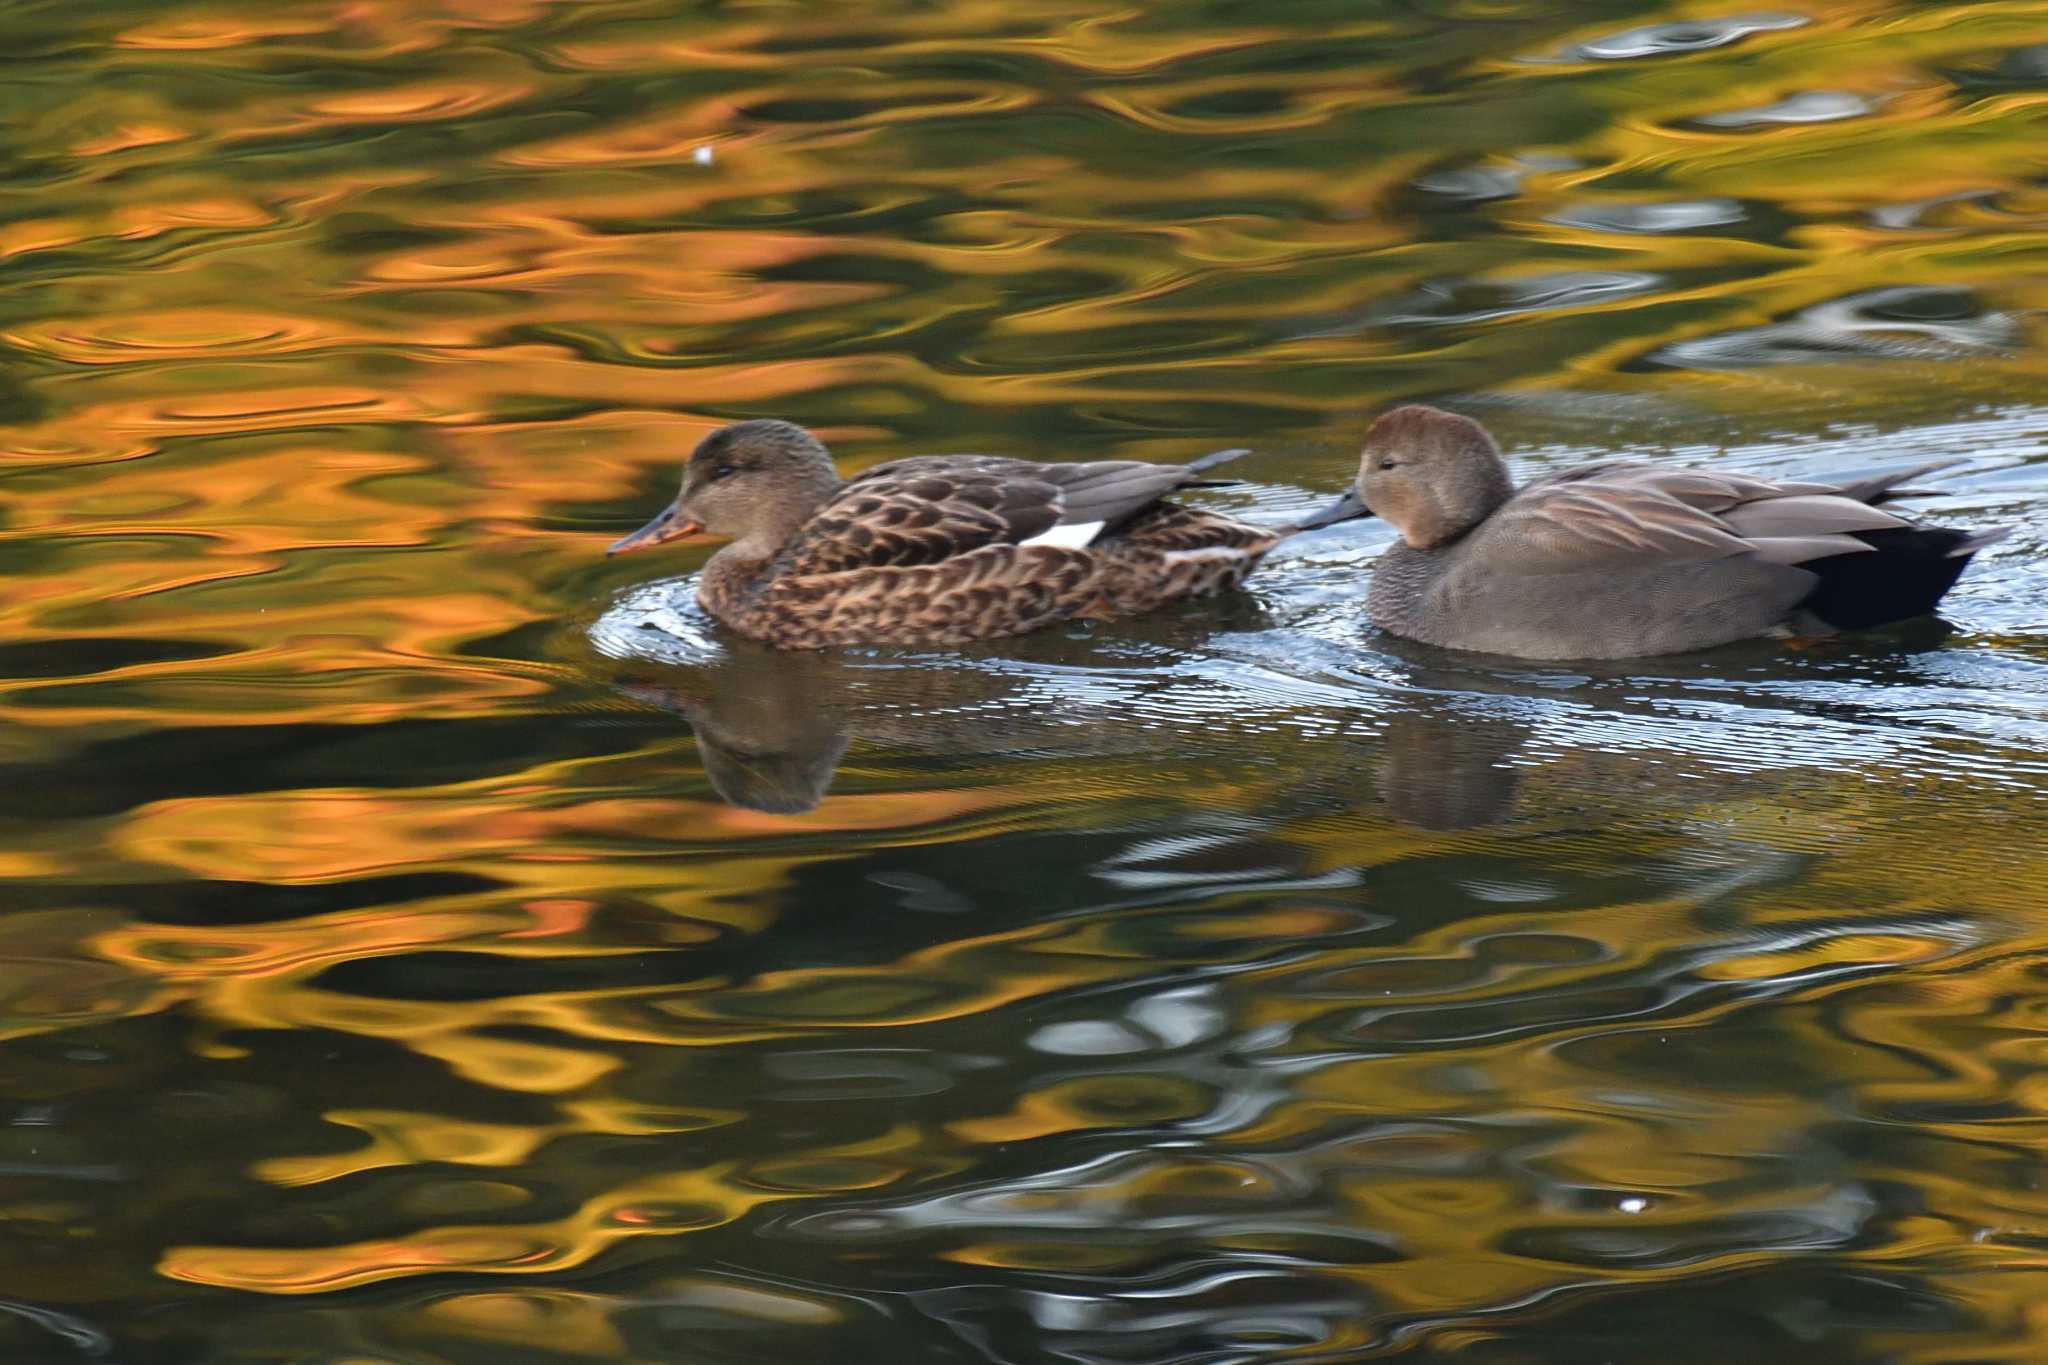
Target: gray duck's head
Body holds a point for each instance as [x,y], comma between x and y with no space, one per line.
[752,482]
[1431,474]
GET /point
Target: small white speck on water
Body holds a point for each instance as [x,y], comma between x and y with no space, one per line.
[1635,1203]
[703,156]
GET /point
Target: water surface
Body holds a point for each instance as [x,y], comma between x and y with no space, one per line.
[424,941]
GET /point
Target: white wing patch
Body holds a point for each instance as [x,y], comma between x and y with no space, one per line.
[1075,537]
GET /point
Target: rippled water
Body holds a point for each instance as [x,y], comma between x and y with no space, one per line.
[425,941]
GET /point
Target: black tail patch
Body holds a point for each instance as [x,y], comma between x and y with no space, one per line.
[1907,576]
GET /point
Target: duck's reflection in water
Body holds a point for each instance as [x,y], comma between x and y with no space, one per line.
[1274,724]
[1439,754]
[1444,767]
[772,730]
[769,733]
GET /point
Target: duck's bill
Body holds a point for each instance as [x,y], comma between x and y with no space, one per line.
[670,525]
[1346,508]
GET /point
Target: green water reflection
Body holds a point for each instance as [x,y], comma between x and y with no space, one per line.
[424,941]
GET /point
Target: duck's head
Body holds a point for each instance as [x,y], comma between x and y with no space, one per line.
[1431,474]
[753,482]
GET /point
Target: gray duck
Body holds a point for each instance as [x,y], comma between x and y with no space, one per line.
[1620,559]
[940,549]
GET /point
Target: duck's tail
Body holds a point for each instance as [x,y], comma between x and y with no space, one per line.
[1210,461]
[1913,567]
[1973,541]
[1216,457]
[1346,508]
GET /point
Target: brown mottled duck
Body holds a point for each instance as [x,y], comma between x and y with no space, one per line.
[940,550]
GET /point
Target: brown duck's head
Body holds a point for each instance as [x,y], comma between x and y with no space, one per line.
[754,482]
[1432,474]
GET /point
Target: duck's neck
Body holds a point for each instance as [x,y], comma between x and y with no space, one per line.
[1455,508]
[730,579]
[736,573]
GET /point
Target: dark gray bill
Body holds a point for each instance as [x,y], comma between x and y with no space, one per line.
[1346,508]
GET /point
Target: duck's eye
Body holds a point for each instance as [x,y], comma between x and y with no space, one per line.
[1390,464]
[724,471]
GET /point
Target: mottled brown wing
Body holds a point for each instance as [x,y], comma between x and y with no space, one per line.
[901,521]
[928,508]
[1036,497]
